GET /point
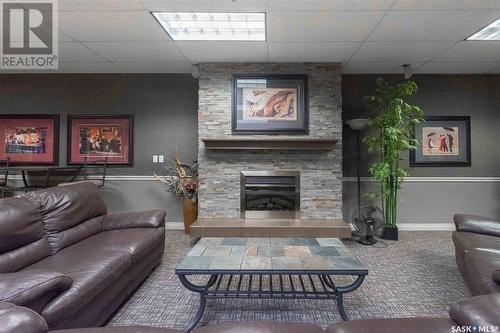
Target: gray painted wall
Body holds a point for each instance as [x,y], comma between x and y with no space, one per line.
[165,118]
[477,96]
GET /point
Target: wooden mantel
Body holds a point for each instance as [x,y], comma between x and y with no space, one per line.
[274,143]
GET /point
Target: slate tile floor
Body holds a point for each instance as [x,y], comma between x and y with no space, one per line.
[416,276]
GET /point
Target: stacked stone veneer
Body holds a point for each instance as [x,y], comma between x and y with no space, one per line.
[320,172]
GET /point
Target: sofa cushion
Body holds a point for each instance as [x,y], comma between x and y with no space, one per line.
[92,270]
[260,327]
[18,319]
[403,325]
[137,242]
[22,240]
[65,207]
[481,310]
[480,265]
[32,288]
[469,240]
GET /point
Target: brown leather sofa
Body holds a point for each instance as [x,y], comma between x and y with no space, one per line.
[478,311]
[477,252]
[64,257]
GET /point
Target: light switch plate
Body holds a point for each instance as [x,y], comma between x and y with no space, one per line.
[155,158]
[161,158]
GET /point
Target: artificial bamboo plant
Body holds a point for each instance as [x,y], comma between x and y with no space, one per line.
[392,122]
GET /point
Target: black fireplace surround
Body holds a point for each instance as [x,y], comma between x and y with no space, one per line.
[270,194]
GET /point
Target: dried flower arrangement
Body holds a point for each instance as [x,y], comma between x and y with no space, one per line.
[181,179]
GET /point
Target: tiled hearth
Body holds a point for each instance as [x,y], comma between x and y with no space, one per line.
[270,228]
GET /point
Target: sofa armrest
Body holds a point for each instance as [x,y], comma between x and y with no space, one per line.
[32,288]
[477,224]
[496,276]
[15,318]
[480,310]
[149,219]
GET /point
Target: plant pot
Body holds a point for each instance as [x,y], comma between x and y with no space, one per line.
[390,233]
[190,212]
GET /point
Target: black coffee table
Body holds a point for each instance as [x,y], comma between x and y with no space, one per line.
[270,268]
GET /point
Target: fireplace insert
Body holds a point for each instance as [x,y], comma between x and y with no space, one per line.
[270,194]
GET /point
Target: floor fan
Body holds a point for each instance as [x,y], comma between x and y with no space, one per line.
[366,220]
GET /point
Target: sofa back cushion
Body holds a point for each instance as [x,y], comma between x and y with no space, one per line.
[69,213]
[22,239]
[481,310]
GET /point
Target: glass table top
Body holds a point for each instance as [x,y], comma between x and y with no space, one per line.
[271,255]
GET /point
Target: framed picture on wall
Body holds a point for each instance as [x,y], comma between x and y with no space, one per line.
[29,139]
[444,141]
[270,104]
[97,137]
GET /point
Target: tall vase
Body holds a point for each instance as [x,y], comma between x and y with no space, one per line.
[190,212]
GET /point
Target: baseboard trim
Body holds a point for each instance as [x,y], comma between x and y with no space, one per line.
[426,226]
[174,225]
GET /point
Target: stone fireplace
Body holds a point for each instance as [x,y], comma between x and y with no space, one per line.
[317,191]
[270,194]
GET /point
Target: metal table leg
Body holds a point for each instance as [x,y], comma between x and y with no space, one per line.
[340,291]
[202,290]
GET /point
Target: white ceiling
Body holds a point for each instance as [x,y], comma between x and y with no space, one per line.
[367,36]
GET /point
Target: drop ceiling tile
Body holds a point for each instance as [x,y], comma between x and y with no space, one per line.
[112,26]
[331,5]
[259,5]
[445,4]
[223,51]
[76,52]
[137,51]
[454,25]
[290,51]
[99,5]
[472,51]
[374,68]
[404,52]
[88,67]
[156,67]
[340,26]
[458,68]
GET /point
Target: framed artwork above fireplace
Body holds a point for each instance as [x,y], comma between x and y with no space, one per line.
[270,104]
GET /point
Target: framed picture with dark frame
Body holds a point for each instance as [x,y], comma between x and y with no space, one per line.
[270,104]
[29,139]
[444,141]
[97,137]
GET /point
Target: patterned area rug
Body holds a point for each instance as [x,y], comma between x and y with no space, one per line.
[416,276]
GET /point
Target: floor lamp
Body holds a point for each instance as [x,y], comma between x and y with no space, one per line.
[357,125]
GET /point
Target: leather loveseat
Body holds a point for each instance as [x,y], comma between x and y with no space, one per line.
[62,256]
[480,311]
[477,252]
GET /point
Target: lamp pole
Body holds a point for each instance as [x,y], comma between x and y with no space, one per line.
[357,125]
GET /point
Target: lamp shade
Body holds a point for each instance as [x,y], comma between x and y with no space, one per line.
[357,124]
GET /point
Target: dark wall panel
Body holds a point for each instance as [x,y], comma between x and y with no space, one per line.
[164,108]
[477,96]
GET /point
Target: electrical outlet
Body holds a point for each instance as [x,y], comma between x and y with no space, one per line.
[155,158]
[161,158]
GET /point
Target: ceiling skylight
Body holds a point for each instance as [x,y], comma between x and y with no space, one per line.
[491,32]
[214,26]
